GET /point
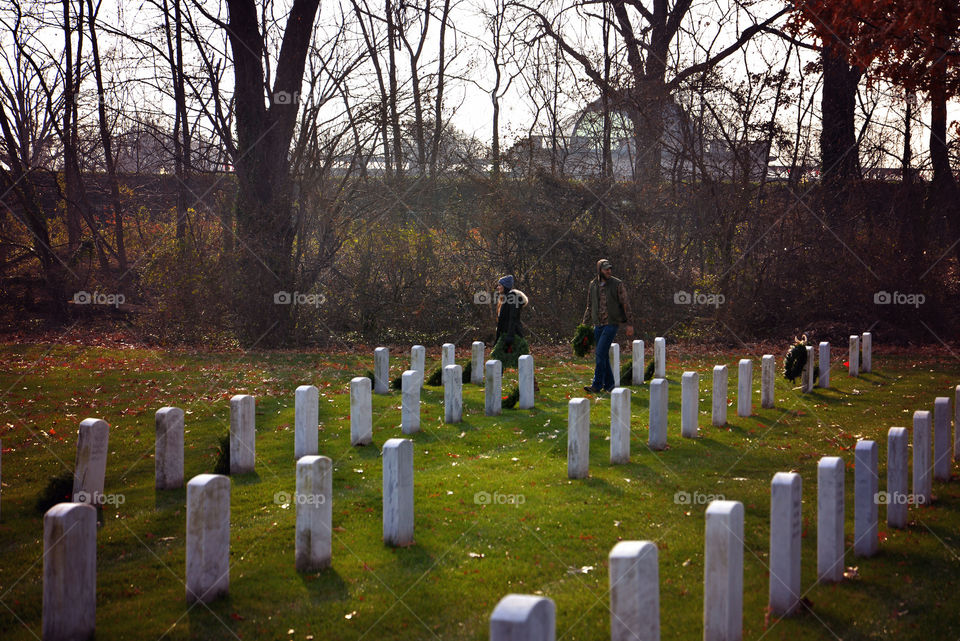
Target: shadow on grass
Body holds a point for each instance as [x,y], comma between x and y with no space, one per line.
[325,586]
[170,499]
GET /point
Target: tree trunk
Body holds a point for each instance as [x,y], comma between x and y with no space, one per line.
[266,224]
[106,141]
[839,155]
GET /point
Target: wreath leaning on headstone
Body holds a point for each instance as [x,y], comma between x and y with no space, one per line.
[796,359]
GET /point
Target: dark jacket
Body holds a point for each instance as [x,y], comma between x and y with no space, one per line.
[508,314]
[618,310]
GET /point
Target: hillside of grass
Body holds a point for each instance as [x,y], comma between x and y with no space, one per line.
[539,533]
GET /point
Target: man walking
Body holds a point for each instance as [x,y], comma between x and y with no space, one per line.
[608,307]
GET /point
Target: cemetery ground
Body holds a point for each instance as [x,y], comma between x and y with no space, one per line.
[494,510]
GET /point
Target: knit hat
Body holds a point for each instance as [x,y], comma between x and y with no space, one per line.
[507,282]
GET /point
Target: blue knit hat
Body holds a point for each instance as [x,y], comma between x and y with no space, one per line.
[507,282]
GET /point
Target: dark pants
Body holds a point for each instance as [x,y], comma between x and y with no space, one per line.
[603,374]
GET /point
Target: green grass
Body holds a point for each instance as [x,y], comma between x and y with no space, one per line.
[466,556]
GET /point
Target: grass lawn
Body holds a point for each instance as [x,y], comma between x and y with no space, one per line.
[548,535]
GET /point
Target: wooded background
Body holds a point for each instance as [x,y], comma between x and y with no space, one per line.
[200,159]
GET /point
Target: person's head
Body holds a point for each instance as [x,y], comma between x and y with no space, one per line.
[505,284]
[604,269]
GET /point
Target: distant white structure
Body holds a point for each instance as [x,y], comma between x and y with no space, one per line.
[685,153]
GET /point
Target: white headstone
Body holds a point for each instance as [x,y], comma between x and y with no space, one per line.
[723,572]
[493,389]
[578,438]
[523,617]
[448,355]
[69,572]
[660,357]
[381,370]
[866,346]
[689,404]
[314,503]
[208,537]
[398,491]
[854,356]
[806,378]
[361,411]
[418,360]
[942,441]
[243,434]
[768,379]
[410,383]
[452,394]
[638,357]
[898,477]
[306,420]
[786,525]
[718,413]
[922,481]
[168,456]
[824,378]
[659,407]
[634,591]
[620,425]
[745,387]
[90,468]
[956,423]
[866,487]
[525,376]
[615,363]
[830,545]
[476,362]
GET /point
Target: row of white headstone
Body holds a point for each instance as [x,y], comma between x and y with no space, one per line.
[859,345]
[69,535]
[489,374]
[633,565]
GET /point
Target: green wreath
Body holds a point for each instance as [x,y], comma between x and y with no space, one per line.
[510,355]
[583,340]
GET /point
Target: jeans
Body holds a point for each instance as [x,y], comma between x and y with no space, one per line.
[603,374]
